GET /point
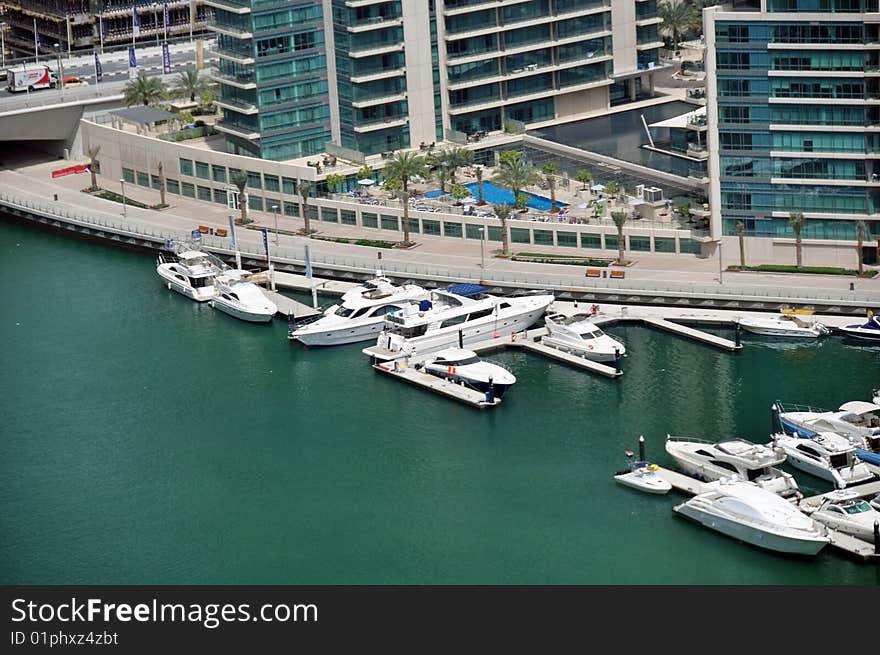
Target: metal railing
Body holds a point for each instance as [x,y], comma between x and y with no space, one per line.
[249,244]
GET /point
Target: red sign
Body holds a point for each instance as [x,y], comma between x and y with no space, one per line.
[79,168]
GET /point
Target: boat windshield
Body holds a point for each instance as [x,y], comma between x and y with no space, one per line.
[857,507]
[458,362]
[595,333]
[344,311]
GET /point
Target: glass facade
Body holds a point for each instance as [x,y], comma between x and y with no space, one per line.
[794,113]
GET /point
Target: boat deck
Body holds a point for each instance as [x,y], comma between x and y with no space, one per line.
[460,392]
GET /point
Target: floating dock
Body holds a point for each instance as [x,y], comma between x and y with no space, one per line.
[460,392]
[692,333]
[288,306]
[530,340]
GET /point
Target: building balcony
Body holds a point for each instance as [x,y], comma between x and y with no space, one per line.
[375,23]
[527,97]
[237,130]
[238,81]
[818,101]
[354,4]
[379,100]
[231,30]
[381,124]
[654,20]
[650,45]
[238,106]
[807,72]
[232,6]
[381,49]
[377,74]
[479,6]
[816,46]
[523,23]
[532,69]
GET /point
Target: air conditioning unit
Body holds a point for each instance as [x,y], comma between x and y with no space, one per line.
[652,194]
[639,191]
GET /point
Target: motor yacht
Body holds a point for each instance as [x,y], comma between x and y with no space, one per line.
[579,335]
[844,511]
[459,315]
[869,330]
[826,455]
[190,272]
[235,295]
[783,325]
[855,420]
[644,476]
[360,315]
[756,463]
[745,511]
[464,366]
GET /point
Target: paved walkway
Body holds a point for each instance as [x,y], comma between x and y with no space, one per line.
[185,214]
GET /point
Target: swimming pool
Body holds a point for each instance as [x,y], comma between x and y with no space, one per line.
[499,195]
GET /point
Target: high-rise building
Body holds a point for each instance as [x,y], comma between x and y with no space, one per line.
[379,75]
[793,90]
[77,25]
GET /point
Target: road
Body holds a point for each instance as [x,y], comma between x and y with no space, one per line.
[115,74]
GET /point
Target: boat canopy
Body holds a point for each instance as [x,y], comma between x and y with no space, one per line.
[467,289]
[859,407]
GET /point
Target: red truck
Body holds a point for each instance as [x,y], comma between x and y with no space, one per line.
[30,78]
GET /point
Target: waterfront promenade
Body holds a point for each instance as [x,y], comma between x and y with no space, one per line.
[33,179]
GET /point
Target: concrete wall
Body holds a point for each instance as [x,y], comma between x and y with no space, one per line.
[570,104]
[623,34]
[419,76]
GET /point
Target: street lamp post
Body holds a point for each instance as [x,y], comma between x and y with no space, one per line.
[60,68]
[720,264]
[275,211]
[482,256]
[122,183]
[3,43]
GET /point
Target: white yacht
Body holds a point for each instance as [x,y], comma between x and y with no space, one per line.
[783,325]
[190,272]
[745,511]
[856,420]
[460,315]
[238,297]
[844,511]
[827,455]
[869,330]
[579,335]
[644,476]
[464,366]
[750,461]
[360,315]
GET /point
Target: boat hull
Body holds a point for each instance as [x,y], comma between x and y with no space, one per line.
[202,294]
[241,313]
[566,345]
[339,336]
[651,484]
[781,543]
[865,335]
[780,332]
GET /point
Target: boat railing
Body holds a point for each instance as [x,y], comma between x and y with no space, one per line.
[669,437]
[792,407]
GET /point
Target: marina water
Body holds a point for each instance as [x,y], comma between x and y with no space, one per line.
[150,440]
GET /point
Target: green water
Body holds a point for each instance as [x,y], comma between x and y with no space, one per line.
[150,440]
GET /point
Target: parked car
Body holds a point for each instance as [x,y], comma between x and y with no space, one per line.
[70,82]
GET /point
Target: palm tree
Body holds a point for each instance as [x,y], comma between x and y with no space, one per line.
[550,171]
[619,219]
[189,83]
[304,186]
[479,173]
[144,90]
[161,167]
[443,164]
[612,189]
[678,16]
[797,221]
[334,181]
[515,173]
[503,213]
[458,158]
[860,235]
[92,152]
[403,167]
[584,177]
[240,180]
[740,232]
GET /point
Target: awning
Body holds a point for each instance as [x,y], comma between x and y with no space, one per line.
[680,121]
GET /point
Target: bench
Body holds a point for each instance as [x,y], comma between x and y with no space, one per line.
[220,232]
[594,272]
[204,229]
[618,274]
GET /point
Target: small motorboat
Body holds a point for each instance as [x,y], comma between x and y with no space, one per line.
[465,367]
[745,511]
[869,330]
[643,476]
[826,455]
[756,463]
[842,510]
[235,295]
[783,325]
[579,335]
